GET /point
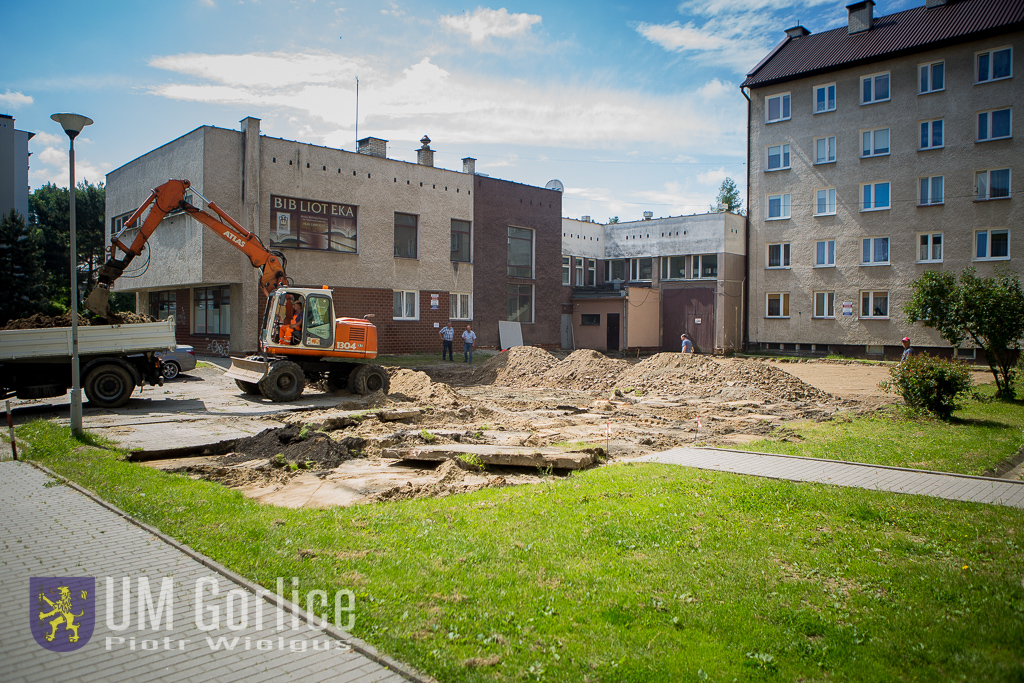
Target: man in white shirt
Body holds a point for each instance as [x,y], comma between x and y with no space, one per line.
[468,339]
[447,335]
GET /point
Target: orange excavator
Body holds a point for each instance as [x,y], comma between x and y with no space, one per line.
[299,339]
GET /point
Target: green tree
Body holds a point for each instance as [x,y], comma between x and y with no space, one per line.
[21,265]
[987,310]
[613,220]
[728,196]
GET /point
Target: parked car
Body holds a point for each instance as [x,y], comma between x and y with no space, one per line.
[181,359]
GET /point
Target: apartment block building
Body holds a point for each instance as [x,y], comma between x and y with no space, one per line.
[13,167]
[878,151]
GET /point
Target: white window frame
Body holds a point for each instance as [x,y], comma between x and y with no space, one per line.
[826,88]
[830,147]
[784,158]
[784,103]
[783,299]
[634,269]
[927,72]
[785,206]
[566,270]
[987,174]
[578,268]
[987,115]
[870,151]
[828,305]
[871,304]
[872,245]
[929,138]
[988,232]
[829,250]
[927,197]
[977,64]
[697,267]
[591,272]
[405,295]
[872,204]
[784,252]
[460,305]
[830,201]
[666,267]
[874,87]
[927,242]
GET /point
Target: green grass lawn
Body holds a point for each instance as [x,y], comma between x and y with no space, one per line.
[625,573]
[979,437]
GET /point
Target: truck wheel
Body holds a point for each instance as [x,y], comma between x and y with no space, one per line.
[251,388]
[283,383]
[109,386]
[367,379]
[171,369]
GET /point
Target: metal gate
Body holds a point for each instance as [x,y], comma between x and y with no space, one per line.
[692,311]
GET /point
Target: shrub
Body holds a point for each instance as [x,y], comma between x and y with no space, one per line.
[930,383]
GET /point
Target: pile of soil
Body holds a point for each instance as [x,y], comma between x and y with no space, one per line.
[417,387]
[40,321]
[449,479]
[314,448]
[519,367]
[129,318]
[586,370]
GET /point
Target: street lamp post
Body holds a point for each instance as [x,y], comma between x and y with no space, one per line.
[73,125]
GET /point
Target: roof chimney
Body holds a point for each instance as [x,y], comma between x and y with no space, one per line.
[861,16]
[648,215]
[469,165]
[425,155]
[929,4]
[797,32]
[375,147]
[585,219]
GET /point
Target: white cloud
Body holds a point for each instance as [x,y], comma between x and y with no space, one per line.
[484,23]
[50,161]
[15,99]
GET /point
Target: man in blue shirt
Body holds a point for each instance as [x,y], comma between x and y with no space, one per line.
[468,339]
[447,334]
[687,344]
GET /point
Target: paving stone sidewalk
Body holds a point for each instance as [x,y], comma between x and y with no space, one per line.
[48,529]
[865,476]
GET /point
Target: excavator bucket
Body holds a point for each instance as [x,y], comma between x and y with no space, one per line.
[97,301]
[247,370]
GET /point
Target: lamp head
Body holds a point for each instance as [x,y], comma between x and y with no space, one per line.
[72,123]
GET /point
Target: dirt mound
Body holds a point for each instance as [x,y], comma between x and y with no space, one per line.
[295,444]
[417,387]
[40,321]
[449,478]
[583,369]
[520,366]
[129,318]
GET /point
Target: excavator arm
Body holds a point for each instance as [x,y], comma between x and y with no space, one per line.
[163,200]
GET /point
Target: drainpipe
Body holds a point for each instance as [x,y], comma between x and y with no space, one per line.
[746,236]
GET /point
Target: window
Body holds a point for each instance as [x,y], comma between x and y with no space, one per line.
[566,269]
[994,124]
[932,77]
[874,251]
[162,305]
[640,269]
[929,247]
[778,157]
[931,134]
[778,255]
[212,310]
[824,304]
[968,354]
[590,318]
[460,305]
[994,64]
[777,305]
[824,253]
[117,225]
[673,267]
[874,88]
[777,108]
[704,266]
[992,244]
[931,190]
[579,271]
[615,270]
[405,235]
[824,98]
[520,303]
[874,304]
[876,196]
[319,323]
[591,273]
[460,241]
[993,184]
[825,150]
[825,202]
[876,142]
[520,252]
[778,206]
[405,305]
[303,224]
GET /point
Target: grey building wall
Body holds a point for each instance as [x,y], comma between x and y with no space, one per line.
[13,167]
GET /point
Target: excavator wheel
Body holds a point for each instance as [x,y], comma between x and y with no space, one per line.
[283,383]
[251,388]
[367,379]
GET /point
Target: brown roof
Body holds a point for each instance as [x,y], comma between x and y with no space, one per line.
[913,30]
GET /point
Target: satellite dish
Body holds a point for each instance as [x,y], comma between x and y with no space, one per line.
[555,185]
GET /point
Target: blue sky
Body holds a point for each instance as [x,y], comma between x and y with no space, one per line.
[633,106]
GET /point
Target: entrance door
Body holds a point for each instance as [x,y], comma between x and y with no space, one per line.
[613,331]
[690,310]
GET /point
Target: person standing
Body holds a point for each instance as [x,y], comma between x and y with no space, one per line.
[686,343]
[447,335]
[468,339]
[908,350]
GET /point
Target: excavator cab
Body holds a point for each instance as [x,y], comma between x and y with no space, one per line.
[299,319]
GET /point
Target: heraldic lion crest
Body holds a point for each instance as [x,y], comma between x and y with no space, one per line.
[63,613]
